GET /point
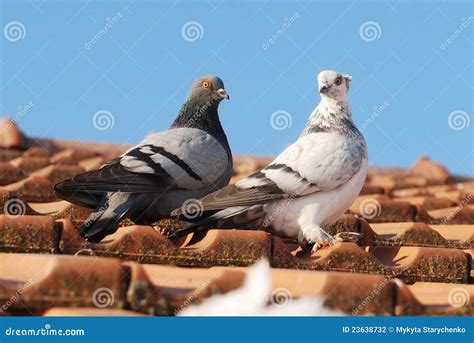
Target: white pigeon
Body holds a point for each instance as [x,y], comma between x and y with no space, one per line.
[253,297]
[189,160]
[305,188]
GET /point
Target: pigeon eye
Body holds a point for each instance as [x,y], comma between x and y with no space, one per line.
[338,81]
[205,85]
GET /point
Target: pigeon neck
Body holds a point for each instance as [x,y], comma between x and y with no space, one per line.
[331,103]
[331,115]
[203,116]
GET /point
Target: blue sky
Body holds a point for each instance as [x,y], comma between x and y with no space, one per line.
[411,64]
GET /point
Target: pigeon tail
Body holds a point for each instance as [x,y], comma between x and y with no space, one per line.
[238,217]
[70,191]
[105,218]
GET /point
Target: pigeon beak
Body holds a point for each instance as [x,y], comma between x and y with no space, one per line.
[223,94]
[323,89]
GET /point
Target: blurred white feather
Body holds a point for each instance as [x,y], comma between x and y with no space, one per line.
[253,297]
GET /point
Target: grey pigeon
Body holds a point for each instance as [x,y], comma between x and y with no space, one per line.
[305,188]
[189,160]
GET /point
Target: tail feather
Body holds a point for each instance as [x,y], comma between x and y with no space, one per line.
[229,218]
[106,217]
[77,196]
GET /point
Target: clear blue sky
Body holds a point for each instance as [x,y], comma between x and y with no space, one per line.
[410,60]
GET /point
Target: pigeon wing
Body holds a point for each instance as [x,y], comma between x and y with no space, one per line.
[316,162]
[181,158]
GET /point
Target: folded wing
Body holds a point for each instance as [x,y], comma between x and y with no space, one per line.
[182,158]
[315,162]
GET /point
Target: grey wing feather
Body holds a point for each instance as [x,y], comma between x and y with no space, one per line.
[182,158]
[192,157]
[316,162]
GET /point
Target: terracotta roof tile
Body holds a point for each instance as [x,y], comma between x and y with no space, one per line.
[421,234]
[167,290]
[34,189]
[73,156]
[381,209]
[10,174]
[11,136]
[36,151]
[453,215]
[29,164]
[429,298]
[409,263]
[144,244]
[7,155]
[50,280]
[29,234]
[57,173]
[430,170]
[428,202]
[415,225]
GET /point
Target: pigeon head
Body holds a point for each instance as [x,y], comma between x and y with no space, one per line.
[334,85]
[200,108]
[208,89]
